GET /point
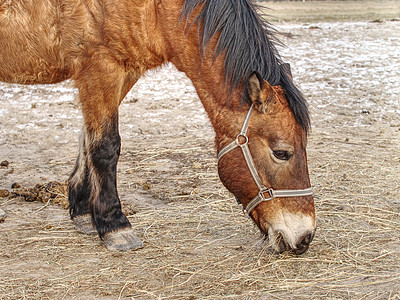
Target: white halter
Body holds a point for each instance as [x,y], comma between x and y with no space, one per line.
[242,141]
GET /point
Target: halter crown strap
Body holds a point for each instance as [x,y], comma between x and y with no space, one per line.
[242,141]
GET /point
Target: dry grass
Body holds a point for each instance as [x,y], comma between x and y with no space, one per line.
[357,246]
[198,245]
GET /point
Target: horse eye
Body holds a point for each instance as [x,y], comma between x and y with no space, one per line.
[282,155]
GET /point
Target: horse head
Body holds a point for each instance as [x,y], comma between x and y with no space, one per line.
[264,164]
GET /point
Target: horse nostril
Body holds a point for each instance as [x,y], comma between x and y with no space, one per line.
[307,240]
[304,244]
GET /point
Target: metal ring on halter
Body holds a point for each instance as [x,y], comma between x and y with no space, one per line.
[241,135]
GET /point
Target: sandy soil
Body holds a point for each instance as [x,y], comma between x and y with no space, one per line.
[198,245]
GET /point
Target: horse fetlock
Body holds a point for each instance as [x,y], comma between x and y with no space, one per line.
[122,240]
[78,202]
[84,224]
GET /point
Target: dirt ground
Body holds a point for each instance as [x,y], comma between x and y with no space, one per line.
[345,56]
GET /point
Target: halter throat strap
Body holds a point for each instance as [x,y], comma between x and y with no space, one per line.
[264,194]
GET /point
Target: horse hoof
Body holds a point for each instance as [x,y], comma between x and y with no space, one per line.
[122,240]
[83,223]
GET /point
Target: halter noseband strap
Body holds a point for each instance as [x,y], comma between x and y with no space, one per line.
[242,141]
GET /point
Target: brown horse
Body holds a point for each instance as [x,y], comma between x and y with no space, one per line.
[259,116]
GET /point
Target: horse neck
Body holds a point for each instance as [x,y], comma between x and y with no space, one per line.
[204,70]
[181,42]
[221,103]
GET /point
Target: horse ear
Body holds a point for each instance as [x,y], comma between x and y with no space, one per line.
[260,92]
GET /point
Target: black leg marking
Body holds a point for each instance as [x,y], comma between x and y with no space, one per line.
[78,183]
[104,201]
[112,225]
[78,196]
[79,192]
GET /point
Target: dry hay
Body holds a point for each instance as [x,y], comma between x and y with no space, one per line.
[357,243]
[198,244]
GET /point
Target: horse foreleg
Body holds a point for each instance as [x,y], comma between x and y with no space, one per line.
[102,157]
[78,183]
[94,201]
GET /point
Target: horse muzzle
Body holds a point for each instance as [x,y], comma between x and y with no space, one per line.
[294,233]
[280,245]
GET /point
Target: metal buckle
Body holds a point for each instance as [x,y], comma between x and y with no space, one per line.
[270,194]
[258,199]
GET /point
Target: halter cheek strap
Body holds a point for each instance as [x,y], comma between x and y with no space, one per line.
[264,194]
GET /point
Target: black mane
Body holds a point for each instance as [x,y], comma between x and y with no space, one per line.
[248,44]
